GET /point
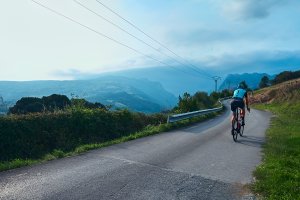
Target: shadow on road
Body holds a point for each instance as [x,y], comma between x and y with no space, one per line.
[252,141]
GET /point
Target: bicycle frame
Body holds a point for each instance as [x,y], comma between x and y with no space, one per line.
[237,127]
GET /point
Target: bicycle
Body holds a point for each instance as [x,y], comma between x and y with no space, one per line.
[237,127]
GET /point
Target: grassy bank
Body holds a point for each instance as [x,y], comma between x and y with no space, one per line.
[147,131]
[278,177]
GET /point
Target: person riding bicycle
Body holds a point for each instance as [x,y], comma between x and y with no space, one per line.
[238,102]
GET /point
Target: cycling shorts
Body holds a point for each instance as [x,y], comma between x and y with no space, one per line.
[237,103]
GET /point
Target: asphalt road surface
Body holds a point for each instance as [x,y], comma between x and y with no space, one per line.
[198,162]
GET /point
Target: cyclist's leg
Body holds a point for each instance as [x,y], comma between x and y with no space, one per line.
[233,108]
[232,116]
[232,122]
[242,106]
[243,116]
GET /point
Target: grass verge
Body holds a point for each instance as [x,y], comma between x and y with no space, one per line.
[278,177]
[147,131]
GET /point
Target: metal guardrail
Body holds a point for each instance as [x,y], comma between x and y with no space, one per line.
[182,116]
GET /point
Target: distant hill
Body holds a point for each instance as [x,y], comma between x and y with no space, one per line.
[175,80]
[120,92]
[252,80]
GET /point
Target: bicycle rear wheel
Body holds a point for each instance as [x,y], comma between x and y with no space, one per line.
[234,130]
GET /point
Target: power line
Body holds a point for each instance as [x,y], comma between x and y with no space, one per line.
[140,40]
[105,19]
[103,35]
[164,46]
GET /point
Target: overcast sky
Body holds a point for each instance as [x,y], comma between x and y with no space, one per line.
[222,36]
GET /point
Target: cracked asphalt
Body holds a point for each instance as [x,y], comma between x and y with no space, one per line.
[198,162]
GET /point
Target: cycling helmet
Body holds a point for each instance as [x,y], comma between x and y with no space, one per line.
[240,86]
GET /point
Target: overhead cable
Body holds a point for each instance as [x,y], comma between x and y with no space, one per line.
[137,38]
[153,39]
[103,35]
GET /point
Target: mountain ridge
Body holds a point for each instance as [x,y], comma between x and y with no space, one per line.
[120,92]
[252,79]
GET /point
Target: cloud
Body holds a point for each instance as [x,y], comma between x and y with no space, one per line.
[264,62]
[69,74]
[200,36]
[252,9]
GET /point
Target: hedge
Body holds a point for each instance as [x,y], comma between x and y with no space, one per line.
[33,136]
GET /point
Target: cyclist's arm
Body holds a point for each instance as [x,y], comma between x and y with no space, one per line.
[247,101]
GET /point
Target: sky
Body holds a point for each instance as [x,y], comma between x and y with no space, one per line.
[218,36]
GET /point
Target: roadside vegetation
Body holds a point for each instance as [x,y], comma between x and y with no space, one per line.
[278,177]
[199,101]
[42,129]
[279,78]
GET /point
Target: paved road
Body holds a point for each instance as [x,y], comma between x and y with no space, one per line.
[198,162]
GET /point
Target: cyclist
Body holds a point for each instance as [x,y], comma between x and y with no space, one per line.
[239,95]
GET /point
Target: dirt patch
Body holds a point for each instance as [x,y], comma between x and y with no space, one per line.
[283,91]
[244,191]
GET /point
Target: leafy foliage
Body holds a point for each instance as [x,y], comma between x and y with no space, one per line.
[34,135]
[50,103]
[225,93]
[55,101]
[27,105]
[34,105]
[200,100]
[265,82]
[285,76]
[82,103]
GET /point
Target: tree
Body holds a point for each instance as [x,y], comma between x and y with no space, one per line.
[200,100]
[187,103]
[27,105]
[82,103]
[56,101]
[225,93]
[203,100]
[285,76]
[50,103]
[33,104]
[215,95]
[265,82]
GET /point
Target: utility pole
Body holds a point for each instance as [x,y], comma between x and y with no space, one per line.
[216,78]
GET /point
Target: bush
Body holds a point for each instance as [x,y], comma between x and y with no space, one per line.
[35,135]
[198,101]
[33,104]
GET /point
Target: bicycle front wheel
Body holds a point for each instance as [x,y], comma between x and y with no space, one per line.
[234,135]
[242,130]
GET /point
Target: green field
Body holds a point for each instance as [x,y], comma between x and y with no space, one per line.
[278,177]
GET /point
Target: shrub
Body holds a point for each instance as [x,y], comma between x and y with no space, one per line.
[35,135]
